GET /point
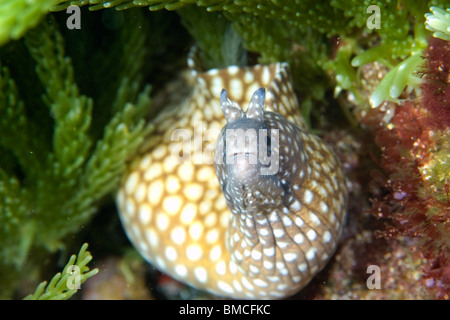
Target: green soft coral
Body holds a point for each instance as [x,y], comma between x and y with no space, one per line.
[402,39]
[395,81]
[436,172]
[66,283]
[294,32]
[53,180]
[439,22]
[17,16]
[17,141]
[308,12]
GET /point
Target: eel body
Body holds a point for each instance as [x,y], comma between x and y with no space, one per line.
[230,228]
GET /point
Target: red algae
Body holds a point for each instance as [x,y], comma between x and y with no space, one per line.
[436,84]
[415,162]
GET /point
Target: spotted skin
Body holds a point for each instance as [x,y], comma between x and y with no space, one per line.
[176,215]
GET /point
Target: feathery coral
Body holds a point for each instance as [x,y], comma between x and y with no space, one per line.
[17,16]
[439,23]
[53,180]
[66,283]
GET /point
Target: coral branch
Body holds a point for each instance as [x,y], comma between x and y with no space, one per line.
[61,286]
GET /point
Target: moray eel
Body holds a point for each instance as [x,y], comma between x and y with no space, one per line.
[228,227]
